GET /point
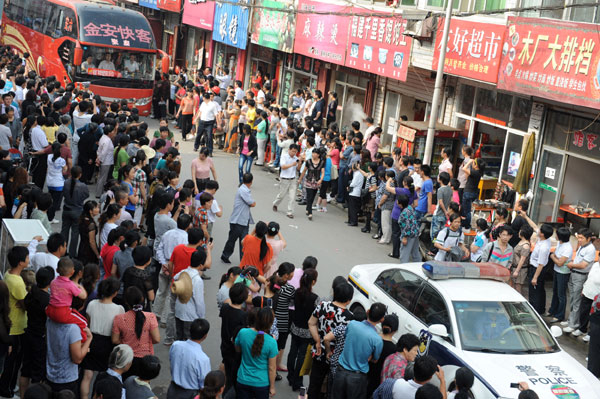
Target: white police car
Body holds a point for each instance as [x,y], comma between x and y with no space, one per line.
[466,315]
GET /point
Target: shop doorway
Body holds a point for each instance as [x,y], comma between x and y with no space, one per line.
[547,198]
[352,104]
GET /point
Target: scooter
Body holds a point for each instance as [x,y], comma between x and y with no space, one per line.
[426,247]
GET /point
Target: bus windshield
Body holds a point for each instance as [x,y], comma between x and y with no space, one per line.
[102,62]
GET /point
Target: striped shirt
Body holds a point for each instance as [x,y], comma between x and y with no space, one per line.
[493,253]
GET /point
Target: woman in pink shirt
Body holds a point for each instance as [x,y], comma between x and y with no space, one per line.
[278,244]
[374,142]
[202,167]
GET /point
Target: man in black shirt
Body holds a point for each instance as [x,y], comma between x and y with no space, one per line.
[521,206]
[474,170]
[331,108]
[317,112]
[234,319]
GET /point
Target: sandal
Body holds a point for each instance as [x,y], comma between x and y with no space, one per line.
[278,377]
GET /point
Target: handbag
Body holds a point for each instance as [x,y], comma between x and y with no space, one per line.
[334,172]
[307,364]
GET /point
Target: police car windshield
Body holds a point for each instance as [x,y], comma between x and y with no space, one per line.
[502,327]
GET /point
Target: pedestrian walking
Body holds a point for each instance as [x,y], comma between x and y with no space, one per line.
[247,148]
[241,217]
[289,165]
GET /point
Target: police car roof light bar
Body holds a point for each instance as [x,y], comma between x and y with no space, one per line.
[437,270]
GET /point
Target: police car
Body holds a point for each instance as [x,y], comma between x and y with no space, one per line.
[466,315]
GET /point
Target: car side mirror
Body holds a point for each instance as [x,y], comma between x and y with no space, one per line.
[77,56]
[556,331]
[438,329]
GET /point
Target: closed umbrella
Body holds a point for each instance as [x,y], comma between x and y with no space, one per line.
[521,183]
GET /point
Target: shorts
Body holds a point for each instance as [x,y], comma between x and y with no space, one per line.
[324,188]
[281,341]
[34,357]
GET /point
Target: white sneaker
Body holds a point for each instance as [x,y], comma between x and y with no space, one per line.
[564,323]
[324,210]
[586,338]
[568,330]
[577,333]
[315,207]
[54,221]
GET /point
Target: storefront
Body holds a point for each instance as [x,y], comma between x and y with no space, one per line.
[299,72]
[226,56]
[264,59]
[199,20]
[230,32]
[355,90]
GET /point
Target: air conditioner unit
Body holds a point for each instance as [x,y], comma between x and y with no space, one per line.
[421,29]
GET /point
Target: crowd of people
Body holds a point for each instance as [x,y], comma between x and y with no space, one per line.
[131,258]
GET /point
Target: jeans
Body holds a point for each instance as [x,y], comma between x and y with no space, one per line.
[437,224]
[70,221]
[274,148]
[205,129]
[386,225]
[395,238]
[349,384]
[244,159]
[311,193]
[575,285]
[249,392]
[287,187]
[318,372]
[261,144]
[236,232]
[278,158]
[296,359]
[410,251]
[56,202]
[584,313]
[467,201]
[559,295]
[342,193]
[537,294]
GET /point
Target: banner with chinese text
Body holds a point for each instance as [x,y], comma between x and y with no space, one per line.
[554,59]
[231,24]
[122,30]
[169,5]
[149,4]
[474,49]
[377,45]
[274,29]
[199,14]
[322,36]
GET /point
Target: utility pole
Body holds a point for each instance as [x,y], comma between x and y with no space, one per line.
[437,92]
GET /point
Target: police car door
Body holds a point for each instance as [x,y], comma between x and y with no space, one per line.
[430,308]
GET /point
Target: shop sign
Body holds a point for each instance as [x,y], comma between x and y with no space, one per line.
[302,63]
[378,45]
[406,133]
[322,36]
[274,29]
[286,87]
[169,5]
[199,14]
[230,25]
[554,59]
[149,4]
[473,49]
[548,187]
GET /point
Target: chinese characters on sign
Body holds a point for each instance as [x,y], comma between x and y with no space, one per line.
[231,24]
[378,45]
[199,14]
[149,4]
[322,36]
[556,60]
[273,29]
[118,35]
[169,5]
[473,50]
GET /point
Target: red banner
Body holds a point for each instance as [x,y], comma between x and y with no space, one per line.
[553,59]
[199,14]
[473,49]
[104,72]
[377,45]
[169,5]
[322,36]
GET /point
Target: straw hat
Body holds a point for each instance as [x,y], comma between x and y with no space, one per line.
[150,152]
[183,288]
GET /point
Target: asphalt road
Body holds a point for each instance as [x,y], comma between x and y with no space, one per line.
[337,247]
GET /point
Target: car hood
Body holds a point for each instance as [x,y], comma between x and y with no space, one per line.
[550,375]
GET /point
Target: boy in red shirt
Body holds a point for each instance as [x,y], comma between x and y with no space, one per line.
[182,254]
[200,219]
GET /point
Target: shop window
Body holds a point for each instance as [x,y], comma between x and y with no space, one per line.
[466,100]
[390,118]
[584,137]
[521,113]
[493,106]
[556,14]
[489,142]
[488,5]
[581,185]
[512,156]
[557,127]
[584,14]
[443,3]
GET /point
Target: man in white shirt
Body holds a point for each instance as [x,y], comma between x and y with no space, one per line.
[7,100]
[5,133]
[370,128]
[105,158]
[57,248]
[107,63]
[535,274]
[424,369]
[39,163]
[87,64]
[207,115]
[225,79]
[239,92]
[289,165]
[19,89]
[131,66]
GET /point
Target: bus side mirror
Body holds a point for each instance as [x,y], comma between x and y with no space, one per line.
[77,56]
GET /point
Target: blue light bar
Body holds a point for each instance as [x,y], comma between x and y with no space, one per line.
[437,270]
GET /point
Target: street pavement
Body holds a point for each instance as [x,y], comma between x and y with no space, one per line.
[337,247]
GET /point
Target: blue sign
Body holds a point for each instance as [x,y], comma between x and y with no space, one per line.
[149,4]
[231,24]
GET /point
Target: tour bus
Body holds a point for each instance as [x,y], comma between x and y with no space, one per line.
[109,49]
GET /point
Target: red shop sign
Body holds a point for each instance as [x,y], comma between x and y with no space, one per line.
[169,5]
[199,14]
[552,59]
[378,45]
[473,49]
[322,36]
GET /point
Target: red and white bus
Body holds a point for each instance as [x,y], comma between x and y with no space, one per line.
[110,47]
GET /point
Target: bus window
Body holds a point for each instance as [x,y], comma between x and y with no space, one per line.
[65,53]
[108,63]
